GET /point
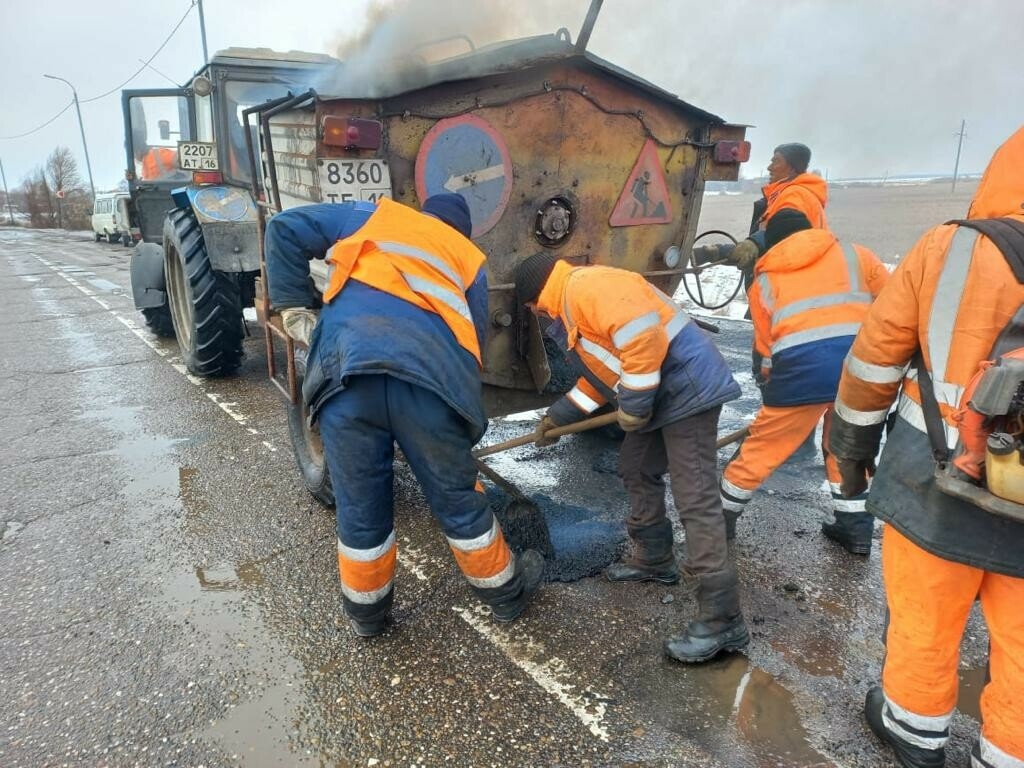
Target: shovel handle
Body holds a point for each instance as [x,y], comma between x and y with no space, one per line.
[568,429]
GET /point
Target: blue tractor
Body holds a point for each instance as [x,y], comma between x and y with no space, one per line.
[192,211]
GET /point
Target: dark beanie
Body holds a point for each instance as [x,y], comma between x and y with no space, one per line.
[797,155]
[532,274]
[782,225]
[452,209]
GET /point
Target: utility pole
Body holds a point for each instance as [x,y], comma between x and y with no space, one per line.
[202,31]
[959,144]
[81,127]
[7,195]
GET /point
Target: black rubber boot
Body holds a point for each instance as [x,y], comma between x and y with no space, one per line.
[852,531]
[719,627]
[730,523]
[370,620]
[652,558]
[512,598]
[908,755]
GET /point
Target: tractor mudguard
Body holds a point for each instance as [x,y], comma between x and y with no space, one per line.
[227,217]
[147,275]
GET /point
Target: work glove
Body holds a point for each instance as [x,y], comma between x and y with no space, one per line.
[546,423]
[299,323]
[744,254]
[631,423]
[854,474]
[705,254]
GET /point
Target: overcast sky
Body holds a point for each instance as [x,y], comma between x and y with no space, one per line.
[875,87]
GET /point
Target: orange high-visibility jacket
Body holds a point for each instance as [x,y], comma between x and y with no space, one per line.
[415,257]
[950,296]
[620,326]
[809,296]
[806,192]
[157,162]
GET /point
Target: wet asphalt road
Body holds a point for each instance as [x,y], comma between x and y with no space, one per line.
[168,591]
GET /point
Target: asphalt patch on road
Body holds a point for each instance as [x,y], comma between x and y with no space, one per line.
[585,541]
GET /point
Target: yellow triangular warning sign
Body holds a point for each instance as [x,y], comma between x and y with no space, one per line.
[644,199]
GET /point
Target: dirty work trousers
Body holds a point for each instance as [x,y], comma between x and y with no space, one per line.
[775,435]
[360,426]
[686,450]
[929,601]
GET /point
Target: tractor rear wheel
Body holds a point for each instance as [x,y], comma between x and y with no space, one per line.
[206,306]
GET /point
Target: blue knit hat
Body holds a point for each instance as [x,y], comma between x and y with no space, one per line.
[452,209]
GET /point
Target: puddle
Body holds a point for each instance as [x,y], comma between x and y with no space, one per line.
[972,681]
[733,709]
[227,577]
[817,654]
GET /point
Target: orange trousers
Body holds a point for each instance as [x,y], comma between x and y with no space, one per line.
[775,434]
[929,601]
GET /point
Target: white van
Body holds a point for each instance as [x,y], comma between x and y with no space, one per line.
[110,218]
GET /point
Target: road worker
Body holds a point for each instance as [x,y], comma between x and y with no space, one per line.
[809,296]
[946,309]
[637,348]
[156,162]
[790,187]
[395,357]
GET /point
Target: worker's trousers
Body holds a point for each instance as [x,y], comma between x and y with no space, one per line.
[775,435]
[360,426]
[929,602]
[686,450]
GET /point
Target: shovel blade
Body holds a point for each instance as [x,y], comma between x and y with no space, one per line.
[525,527]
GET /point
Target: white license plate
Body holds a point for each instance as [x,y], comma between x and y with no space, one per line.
[198,156]
[346,181]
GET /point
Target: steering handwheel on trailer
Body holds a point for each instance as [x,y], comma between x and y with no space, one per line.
[711,271]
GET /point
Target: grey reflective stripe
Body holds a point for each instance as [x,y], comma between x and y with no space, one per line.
[820,302]
[482,541]
[914,416]
[946,303]
[418,253]
[920,730]
[606,358]
[815,334]
[679,318]
[634,328]
[950,394]
[367,555]
[366,598]
[859,418]
[852,267]
[501,578]
[766,292]
[874,374]
[991,756]
[452,299]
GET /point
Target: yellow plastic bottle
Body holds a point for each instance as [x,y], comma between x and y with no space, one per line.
[1004,467]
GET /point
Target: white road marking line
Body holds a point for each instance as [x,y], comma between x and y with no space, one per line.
[175,363]
[552,674]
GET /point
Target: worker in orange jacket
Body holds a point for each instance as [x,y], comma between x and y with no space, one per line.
[157,162]
[395,357]
[950,299]
[809,296]
[638,349]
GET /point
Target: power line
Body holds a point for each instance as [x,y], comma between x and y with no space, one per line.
[112,90]
[39,127]
[146,62]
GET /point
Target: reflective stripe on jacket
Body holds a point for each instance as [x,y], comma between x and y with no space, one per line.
[415,257]
[806,192]
[639,347]
[807,302]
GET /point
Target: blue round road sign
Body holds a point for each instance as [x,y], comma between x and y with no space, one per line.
[466,155]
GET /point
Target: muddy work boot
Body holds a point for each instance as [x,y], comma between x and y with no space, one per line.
[370,620]
[877,711]
[652,558]
[852,531]
[719,627]
[731,518]
[509,605]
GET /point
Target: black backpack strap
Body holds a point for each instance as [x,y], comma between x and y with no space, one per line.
[1006,234]
[933,421]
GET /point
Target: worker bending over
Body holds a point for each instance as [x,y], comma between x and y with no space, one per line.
[809,296]
[953,302]
[395,357]
[637,347]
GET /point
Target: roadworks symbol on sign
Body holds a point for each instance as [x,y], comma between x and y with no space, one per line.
[644,199]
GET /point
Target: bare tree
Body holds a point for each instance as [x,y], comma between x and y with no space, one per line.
[62,170]
[38,202]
